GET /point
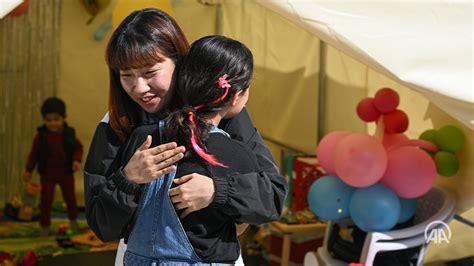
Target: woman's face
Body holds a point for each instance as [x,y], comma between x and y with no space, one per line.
[149,86]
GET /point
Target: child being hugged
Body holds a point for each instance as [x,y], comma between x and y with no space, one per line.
[212,84]
[57,153]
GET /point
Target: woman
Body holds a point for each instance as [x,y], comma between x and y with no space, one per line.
[142,55]
[212,83]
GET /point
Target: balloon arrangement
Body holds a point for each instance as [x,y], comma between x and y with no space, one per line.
[377,179]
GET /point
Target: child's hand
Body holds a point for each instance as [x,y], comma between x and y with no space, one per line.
[27,176]
[76,165]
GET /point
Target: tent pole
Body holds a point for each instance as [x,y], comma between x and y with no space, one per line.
[322,89]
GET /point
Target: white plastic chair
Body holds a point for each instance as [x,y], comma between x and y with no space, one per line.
[436,205]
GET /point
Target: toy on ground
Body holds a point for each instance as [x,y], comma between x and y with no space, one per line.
[30,197]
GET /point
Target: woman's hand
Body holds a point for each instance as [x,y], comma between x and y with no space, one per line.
[148,163]
[194,192]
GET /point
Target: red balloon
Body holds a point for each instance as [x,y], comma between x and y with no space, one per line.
[410,173]
[395,122]
[390,140]
[326,148]
[386,100]
[360,160]
[19,10]
[366,110]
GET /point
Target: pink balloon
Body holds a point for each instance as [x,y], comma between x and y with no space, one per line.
[360,160]
[429,146]
[326,148]
[410,173]
[390,140]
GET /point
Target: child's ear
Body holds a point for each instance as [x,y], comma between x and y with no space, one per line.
[236,97]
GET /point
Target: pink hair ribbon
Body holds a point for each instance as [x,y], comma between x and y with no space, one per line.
[221,84]
[206,156]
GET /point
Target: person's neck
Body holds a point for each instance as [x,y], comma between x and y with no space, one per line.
[215,119]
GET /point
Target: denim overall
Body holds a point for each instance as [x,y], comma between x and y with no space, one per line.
[158,238]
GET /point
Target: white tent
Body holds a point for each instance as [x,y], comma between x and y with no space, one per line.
[426,46]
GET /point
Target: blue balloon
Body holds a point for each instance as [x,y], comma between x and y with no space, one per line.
[375,208]
[329,198]
[407,209]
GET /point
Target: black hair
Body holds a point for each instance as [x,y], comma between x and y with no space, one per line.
[198,94]
[53,105]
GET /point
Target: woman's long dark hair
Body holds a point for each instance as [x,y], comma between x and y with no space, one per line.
[143,39]
[215,69]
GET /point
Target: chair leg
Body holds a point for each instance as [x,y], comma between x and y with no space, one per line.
[369,257]
[421,255]
[369,251]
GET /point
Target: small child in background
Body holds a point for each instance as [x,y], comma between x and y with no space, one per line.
[57,153]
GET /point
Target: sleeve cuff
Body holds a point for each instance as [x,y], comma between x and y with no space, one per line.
[221,192]
[122,182]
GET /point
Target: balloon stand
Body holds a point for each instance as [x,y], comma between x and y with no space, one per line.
[376,181]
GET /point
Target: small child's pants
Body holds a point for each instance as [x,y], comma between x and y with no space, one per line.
[66,183]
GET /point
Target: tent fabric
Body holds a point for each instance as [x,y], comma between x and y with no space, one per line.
[6,6]
[284,89]
[426,46]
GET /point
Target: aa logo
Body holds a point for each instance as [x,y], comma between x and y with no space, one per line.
[437,232]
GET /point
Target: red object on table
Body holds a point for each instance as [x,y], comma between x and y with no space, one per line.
[306,169]
[30,259]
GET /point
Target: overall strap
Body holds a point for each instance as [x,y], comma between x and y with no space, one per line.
[162,128]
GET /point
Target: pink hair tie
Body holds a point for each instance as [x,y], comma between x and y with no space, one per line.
[200,151]
[223,82]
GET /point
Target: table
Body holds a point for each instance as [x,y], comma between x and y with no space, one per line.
[290,229]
